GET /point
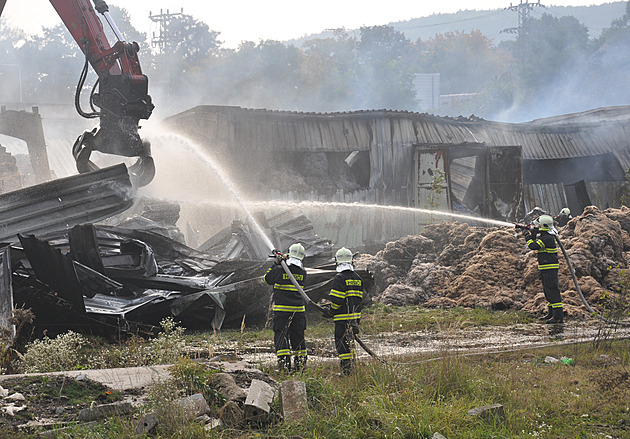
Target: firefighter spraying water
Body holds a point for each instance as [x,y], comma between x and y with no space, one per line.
[532,230]
[280,259]
[541,237]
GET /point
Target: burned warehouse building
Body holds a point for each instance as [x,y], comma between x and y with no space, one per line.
[121,264]
[489,169]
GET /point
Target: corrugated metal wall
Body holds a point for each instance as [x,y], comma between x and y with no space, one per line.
[239,128]
[389,136]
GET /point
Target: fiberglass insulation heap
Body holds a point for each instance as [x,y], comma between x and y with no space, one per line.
[454,264]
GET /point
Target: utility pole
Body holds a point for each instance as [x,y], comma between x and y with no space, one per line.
[522,31]
[164,41]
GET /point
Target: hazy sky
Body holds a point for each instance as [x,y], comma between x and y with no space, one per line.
[250,20]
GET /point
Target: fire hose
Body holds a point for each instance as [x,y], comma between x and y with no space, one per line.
[575,280]
[319,308]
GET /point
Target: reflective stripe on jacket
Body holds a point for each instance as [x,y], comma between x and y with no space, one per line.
[286,297]
[346,296]
[545,246]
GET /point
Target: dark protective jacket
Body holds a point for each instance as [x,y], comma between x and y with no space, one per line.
[346,296]
[286,297]
[562,220]
[547,250]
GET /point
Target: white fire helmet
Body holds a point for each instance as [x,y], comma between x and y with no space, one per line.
[565,211]
[545,221]
[343,256]
[297,251]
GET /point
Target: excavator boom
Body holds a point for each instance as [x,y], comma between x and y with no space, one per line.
[122,98]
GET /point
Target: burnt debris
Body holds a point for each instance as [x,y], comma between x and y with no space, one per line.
[117,280]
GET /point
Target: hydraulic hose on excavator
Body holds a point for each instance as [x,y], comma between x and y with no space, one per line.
[322,310]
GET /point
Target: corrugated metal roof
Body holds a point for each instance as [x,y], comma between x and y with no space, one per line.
[61,204]
[575,135]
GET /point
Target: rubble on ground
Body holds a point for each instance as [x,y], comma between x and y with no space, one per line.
[454,264]
[241,396]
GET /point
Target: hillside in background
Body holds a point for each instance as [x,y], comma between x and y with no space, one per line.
[492,22]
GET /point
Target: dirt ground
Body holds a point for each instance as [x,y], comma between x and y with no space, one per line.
[447,265]
[454,264]
[56,399]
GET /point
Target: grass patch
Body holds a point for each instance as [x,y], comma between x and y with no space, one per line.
[57,387]
[416,399]
[415,396]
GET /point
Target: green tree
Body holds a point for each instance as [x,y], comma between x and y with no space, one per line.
[618,31]
[190,41]
[610,61]
[466,62]
[555,46]
[51,63]
[266,74]
[385,72]
[181,63]
[11,40]
[328,72]
[123,21]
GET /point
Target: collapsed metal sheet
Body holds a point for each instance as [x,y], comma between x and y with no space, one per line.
[54,269]
[283,226]
[120,300]
[194,306]
[193,310]
[63,203]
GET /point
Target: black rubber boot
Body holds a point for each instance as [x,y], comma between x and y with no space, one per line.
[549,313]
[299,363]
[346,367]
[284,364]
[558,316]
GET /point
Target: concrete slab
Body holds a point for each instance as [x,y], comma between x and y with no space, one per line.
[133,377]
[257,406]
[117,379]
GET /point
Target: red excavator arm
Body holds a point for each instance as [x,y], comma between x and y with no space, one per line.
[122,98]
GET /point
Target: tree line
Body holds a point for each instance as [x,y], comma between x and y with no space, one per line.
[553,68]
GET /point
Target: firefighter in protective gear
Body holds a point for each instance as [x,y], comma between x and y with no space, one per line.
[545,245]
[563,217]
[289,309]
[346,296]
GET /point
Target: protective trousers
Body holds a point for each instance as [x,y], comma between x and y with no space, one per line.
[288,330]
[550,287]
[344,341]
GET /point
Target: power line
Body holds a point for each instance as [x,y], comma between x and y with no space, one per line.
[165,39]
[449,22]
[522,30]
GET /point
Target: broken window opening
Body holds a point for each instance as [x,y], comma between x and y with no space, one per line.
[602,167]
[322,172]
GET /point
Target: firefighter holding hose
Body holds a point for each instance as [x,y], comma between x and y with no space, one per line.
[542,240]
[289,309]
[346,296]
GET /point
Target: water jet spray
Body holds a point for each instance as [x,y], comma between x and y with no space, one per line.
[197,150]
